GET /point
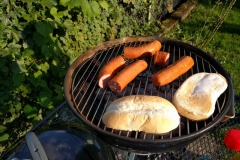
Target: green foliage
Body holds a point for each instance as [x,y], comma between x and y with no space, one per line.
[39,39]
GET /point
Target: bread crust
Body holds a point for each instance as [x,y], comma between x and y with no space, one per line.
[195,99]
[150,114]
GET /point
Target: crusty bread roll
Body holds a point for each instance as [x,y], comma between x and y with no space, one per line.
[150,114]
[196,97]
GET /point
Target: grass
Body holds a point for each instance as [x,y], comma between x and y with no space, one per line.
[224,44]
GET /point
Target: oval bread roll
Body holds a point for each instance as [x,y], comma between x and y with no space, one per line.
[150,114]
[195,99]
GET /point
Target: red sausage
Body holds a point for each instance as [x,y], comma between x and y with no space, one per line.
[121,80]
[161,58]
[173,71]
[142,51]
[109,70]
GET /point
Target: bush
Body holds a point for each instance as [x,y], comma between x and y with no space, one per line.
[41,38]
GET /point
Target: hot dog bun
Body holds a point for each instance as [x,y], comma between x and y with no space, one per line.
[196,97]
[150,114]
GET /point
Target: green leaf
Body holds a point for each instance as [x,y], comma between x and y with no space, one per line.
[25,89]
[53,12]
[45,98]
[14,68]
[30,112]
[129,1]
[91,9]
[3,61]
[45,67]
[56,14]
[14,46]
[4,3]
[5,70]
[56,48]
[46,93]
[18,107]
[79,36]
[5,52]
[28,60]
[38,38]
[3,43]
[4,137]
[3,129]
[3,97]
[34,81]
[46,3]
[103,4]
[15,35]
[44,28]
[64,2]
[42,83]
[45,102]
[28,43]
[21,66]
[18,79]
[45,50]
[54,2]
[37,74]
[50,107]
[95,8]
[68,23]
[11,119]
[55,62]
[86,9]
[70,3]
[27,52]
[28,1]
[59,90]
[27,17]
[62,73]
[5,19]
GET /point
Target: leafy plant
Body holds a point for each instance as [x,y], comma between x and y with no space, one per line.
[39,39]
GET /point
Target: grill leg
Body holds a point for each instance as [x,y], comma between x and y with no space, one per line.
[131,156]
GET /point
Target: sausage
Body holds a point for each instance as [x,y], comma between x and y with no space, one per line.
[121,80]
[161,58]
[109,70]
[173,71]
[148,49]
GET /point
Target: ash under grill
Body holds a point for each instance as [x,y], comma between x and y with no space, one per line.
[90,101]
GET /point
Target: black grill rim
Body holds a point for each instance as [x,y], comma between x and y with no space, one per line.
[229,91]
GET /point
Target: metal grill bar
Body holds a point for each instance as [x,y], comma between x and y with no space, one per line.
[76,83]
[91,101]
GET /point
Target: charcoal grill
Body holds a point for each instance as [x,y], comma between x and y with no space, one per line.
[89,102]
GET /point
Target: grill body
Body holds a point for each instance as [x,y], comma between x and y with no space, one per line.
[89,102]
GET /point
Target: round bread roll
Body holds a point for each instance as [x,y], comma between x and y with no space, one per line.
[195,99]
[150,114]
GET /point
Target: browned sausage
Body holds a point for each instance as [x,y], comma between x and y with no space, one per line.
[109,70]
[173,71]
[161,58]
[142,51]
[121,80]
